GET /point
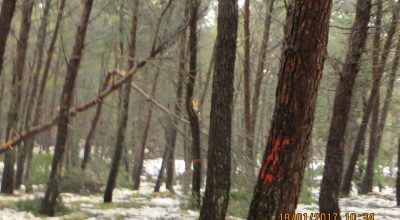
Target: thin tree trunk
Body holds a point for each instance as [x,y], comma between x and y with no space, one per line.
[138,163]
[162,168]
[246,86]
[302,62]
[171,140]
[6,15]
[193,117]
[52,191]
[398,176]
[123,114]
[216,196]
[330,185]
[259,75]
[7,183]
[41,37]
[93,125]
[371,102]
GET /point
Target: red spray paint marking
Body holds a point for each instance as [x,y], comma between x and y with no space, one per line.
[271,160]
[341,145]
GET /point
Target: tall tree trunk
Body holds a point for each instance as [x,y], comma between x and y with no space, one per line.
[52,191]
[216,196]
[6,15]
[138,163]
[189,102]
[346,185]
[330,185]
[260,68]
[302,61]
[123,114]
[246,86]
[398,176]
[7,182]
[41,37]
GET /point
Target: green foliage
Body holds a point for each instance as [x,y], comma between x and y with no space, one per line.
[77,181]
[34,205]
[239,204]
[41,165]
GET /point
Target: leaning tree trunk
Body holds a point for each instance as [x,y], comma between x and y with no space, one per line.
[52,191]
[6,15]
[216,196]
[123,114]
[304,50]
[138,163]
[189,102]
[38,108]
[7,182]
[41,37]
[330,185]
[346,185]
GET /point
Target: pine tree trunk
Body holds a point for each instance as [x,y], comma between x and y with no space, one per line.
[6,15]
[171,140]
[346,185]
[216,196]
[330,185]
[39,103]
[193,117]
[52,191]
[41,37]
[246,85]
[7,182]
[123,114]
[138,163]
[302,61]
[398,176]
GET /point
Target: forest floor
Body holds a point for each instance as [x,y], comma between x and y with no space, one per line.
[145,204]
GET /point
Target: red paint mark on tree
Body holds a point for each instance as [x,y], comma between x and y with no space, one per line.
[271,160]
[341,145]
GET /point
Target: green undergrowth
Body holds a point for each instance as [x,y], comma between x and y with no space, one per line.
[33,206]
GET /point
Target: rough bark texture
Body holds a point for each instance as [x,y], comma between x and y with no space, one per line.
[7,182]
[216,196]
[6,15]
[40,46]
[302,61]
[138,163]
[346,185]
[123,114]
[52,191]
[330,185]
[193,117]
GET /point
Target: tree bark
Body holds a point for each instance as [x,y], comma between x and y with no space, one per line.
[216,196]
[52,191]
[330,185]
[123,114]
[7,182]
[138,163]
[346,185]
[302,61]
[41,37]
[398,176]
[6,15]
[193,117]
